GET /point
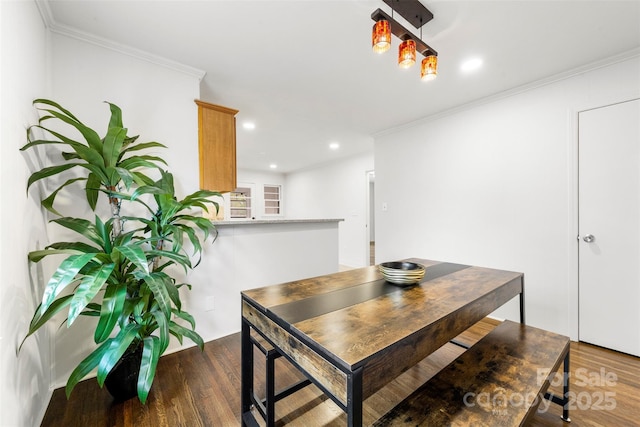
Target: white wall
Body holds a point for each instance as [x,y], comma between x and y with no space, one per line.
[24,378]
[248,256]
[158,104]
[494,185]
[337,190]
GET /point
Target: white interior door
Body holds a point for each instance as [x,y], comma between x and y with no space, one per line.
[609,226]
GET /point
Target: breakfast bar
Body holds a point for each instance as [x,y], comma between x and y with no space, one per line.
[352,332]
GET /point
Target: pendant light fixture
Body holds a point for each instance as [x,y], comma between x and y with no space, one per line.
[429,70]
[381,36]
[407,54]
[414,12]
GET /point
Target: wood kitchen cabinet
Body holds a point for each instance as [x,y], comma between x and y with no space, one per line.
[217,147]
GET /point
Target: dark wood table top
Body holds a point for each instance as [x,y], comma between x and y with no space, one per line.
[357,319]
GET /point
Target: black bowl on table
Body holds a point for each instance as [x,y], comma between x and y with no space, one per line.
[402,272]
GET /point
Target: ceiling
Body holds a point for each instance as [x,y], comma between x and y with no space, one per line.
[303,71]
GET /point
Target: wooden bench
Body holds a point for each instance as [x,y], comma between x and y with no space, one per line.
[266,406]
[500,380]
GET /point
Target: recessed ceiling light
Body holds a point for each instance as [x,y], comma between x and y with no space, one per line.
[273,166]
[471,64]
[334,146]
[249,125]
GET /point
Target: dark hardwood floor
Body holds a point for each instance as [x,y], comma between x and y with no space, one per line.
[195,388]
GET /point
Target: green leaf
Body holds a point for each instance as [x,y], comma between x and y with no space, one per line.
[85,367]
[89,154]
[193,238]
[144,146]
[200,195]
[117,347]
[113,141]
[179,259]
[49,171]
[81,226]
[163,327]
[147,189]
[92,189]
[169,207]
[192,335]
[53,104]
[177,237]
[142,179]
[173,293]
[157,284]
[203,224]
[150,357]
[89,134]
[93,306]
[40,319]
[75,247]
[141,161]
[36,256]
[92,310]
[126,176]
[70,156]
[113,178]
[104,231]
[48,202]
[112,304]
[127,197]
[116,116]
[125,239]
[186,316]
[136,255]
[178,336]
[130,140]
[65,274]
[90,313]
[36,142]
[62,139]
[88,289]
[99,171]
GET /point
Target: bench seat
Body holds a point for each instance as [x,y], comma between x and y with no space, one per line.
[499,381]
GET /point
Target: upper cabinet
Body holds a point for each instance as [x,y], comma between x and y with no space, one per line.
[217,147]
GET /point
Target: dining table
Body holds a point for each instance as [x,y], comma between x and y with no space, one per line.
[352,332]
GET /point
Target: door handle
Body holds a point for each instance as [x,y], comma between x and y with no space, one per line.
[589,238]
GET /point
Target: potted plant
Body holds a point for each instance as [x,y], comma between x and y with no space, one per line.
[120,271]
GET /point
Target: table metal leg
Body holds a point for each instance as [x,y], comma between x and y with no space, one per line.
[246,378]
[522,320]
[354,399]
[564,400]
[270,391]
[565,406]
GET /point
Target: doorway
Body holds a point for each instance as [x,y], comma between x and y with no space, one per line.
[609,226]
[371,222]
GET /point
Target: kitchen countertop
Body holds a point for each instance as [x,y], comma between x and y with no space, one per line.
[274,221]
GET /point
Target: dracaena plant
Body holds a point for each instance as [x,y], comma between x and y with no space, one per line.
[119,272]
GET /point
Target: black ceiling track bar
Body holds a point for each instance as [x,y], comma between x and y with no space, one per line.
[402,33]
[412,10]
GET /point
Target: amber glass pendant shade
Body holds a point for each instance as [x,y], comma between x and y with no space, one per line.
[429,69]
[381,36]
[407,54]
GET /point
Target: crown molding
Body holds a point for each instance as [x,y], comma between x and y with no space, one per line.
[612,60]
[64,30]
[45,12]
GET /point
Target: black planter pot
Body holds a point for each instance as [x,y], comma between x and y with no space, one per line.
[122,381]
